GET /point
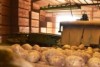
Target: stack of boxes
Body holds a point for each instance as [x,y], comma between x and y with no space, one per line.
[20,15]
[5,19]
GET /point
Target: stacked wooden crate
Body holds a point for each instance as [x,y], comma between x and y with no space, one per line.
[20,15]
[35,18]
[47,22]
[50,19]
[5,19]
[43,21]
[35,22]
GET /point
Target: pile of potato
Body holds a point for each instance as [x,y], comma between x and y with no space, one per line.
[36,56]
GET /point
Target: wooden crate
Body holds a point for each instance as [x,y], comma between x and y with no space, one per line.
[23,22]
[35,15]
[24,4]
[49,24]
[43,22]
[24,29]
[34,30]
[35,6]
[23,13]
[43,30]
[35,23]
[49,30]
[49,19]
[42,12]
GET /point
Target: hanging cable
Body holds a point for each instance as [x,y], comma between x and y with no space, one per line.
[71,8]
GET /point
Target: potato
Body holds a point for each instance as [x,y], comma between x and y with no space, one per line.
[96,50]
[19,50]
[45,53]
[56,60]
[74,47]
[96,54]
[74,61]
[36,47]
[11,59]
[94,62]
[89,50]
[66,47]
[27,46]
[81,46]
[33,56]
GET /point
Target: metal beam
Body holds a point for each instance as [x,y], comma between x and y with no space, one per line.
[74,1]
[80,1]
[86,1]
[89,4]
[64,7]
